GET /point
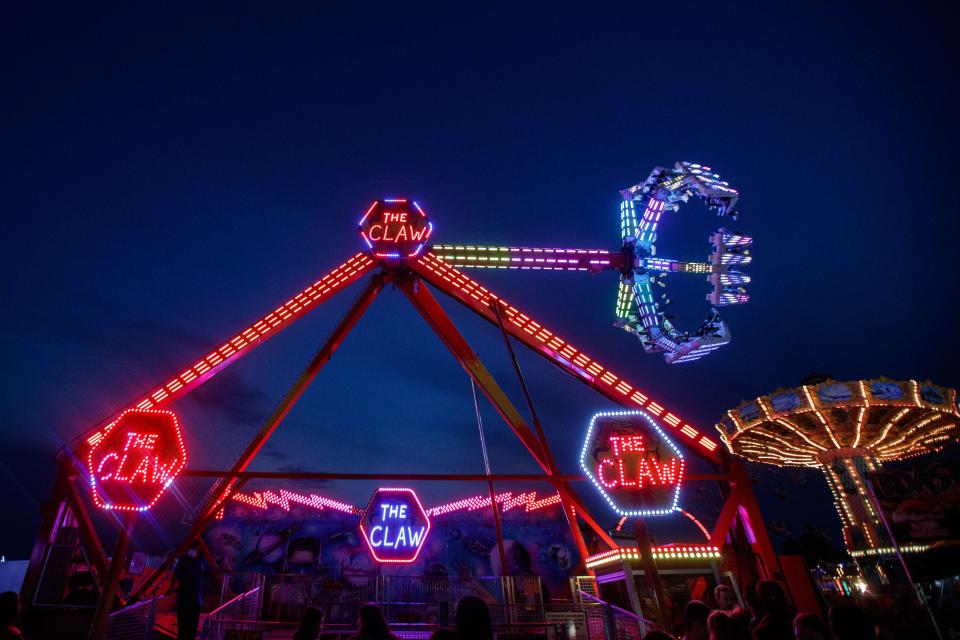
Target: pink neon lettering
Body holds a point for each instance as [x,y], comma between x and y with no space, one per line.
[142,469]
[102,463]
[643,471]
[162,472]
[417,235]
[607,483]
[402,233]
[117,475]
[631,469]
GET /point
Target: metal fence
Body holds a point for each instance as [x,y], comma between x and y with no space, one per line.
[555,621]
[271,605]
[135,622]
[410,599]
[240,613]
[619,623]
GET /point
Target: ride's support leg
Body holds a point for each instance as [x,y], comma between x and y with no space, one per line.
[52,514]
[109,587]
[630,581]
[753,522]
[88,533]
[220,493]
[436,317]
[65,499]
[653,576]
[725,520]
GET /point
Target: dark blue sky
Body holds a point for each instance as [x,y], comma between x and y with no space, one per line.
[169,176]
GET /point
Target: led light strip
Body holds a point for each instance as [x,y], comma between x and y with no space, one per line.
[820,416]
[904,548]
[273,322]
[886,430]
[528,500]
[285,499]
[628,220]
[526,258]
[560,351]
[624,298]
[667,552]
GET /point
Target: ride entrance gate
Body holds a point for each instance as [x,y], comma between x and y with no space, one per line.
[397,233]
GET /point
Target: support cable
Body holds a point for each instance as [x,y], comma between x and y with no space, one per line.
[568,510]
[494,508]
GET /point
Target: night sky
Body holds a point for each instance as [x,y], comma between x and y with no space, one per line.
[169,177]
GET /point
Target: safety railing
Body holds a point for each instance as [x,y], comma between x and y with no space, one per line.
[619,623]
[583,621]
[408,598]
[242,612]
[414,605]
[134,622]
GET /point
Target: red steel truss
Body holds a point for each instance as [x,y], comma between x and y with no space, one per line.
[412,275]
[557,350]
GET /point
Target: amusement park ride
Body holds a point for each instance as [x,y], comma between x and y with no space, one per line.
[847,430]
[639,311]
[129,459]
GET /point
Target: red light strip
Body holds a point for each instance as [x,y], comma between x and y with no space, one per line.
[284,498]
[559,350]
[507,501]
[278,319]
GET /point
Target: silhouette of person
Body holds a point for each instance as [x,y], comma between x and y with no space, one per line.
[371,625]
[309,624]
[695,615]
[188,581]
[725,598]
[473,619]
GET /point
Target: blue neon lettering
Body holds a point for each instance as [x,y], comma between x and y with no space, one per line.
[415,538]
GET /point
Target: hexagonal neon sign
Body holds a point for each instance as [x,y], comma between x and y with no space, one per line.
[394,525]
[134,459]
[633,464]
[395,228]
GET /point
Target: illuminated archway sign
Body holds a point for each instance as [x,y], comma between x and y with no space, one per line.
[135,459]
[633,463]
[394,525]
[395,228]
